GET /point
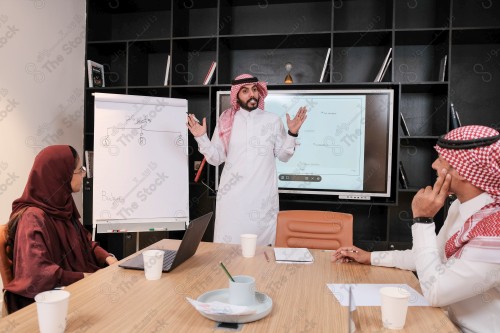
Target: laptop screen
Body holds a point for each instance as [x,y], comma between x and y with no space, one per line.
[187,248]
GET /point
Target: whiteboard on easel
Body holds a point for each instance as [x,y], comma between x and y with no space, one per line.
[140,169]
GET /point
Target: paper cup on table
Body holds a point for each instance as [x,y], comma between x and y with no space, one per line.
[153,264]
[242,290]
[248,245]
[394,306]
[52,309]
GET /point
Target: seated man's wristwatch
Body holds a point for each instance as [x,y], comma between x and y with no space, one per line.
[425,220]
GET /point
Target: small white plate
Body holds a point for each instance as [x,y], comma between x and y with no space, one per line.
[263,306]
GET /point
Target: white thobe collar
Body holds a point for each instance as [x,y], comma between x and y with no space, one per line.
[249,114]
[473,205]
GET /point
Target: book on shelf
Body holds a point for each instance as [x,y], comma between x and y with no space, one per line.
[442,68]
[166,71]
[324,72]
[404,127]
[385,70]
[200,170]
[403,177]
[210,73]
[96,74]
[454,118]
[384,66]
[89,162]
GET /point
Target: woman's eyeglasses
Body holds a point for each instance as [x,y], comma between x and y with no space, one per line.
[81,169]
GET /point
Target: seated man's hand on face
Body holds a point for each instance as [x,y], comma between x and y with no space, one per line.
[428,201]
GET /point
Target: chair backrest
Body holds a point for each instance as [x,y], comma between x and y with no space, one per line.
[313,229]
[5,262]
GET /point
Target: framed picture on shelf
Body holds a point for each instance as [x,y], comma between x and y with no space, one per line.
[96,74]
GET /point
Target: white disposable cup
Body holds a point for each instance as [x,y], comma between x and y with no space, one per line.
[248,245]
[52,309]
[242,290]
[394,307]
[153,264]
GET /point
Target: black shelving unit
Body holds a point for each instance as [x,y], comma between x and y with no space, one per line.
[133,38]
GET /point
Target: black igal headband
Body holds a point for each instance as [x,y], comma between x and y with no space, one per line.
[245,80]
[467,144]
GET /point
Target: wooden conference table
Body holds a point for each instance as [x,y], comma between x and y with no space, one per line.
[119,300]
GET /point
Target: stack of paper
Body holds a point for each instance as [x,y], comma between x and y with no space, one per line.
[369,294]
[292,255]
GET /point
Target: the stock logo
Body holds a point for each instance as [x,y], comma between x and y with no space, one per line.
[11,105]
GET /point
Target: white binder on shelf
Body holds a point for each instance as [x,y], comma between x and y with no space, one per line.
[325,65]
[167,71]
[210,73]
[384,66]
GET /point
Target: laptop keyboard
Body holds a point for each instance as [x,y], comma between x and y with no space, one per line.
[168,258]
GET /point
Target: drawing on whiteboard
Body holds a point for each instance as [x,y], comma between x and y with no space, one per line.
[108,196]
[138,125]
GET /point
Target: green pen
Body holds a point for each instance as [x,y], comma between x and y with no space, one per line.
[225,270]
[157,229]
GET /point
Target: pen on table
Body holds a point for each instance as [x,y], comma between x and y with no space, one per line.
[225,270]
[267,257]
[157,229]
[118,230]
[350,251]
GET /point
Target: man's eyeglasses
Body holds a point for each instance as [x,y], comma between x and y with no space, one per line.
[82,169]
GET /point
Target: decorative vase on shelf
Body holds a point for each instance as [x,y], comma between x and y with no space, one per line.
[288,77]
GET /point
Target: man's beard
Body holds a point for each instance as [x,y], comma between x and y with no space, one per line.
[246,105]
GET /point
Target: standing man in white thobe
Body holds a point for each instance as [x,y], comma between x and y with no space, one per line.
[247,139]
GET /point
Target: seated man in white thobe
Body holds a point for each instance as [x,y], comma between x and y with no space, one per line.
[248,140]
[460,267]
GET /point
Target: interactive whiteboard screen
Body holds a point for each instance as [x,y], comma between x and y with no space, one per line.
[346,143]
[328,157]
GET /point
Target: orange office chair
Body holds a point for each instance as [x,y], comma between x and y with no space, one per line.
[5,261]
[313,229]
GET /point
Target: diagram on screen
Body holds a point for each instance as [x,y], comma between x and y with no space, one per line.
[331,140]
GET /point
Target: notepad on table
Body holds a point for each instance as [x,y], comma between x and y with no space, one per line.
[292,255]
[369,294]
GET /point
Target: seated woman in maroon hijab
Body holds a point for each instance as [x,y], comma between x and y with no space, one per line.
[50,246]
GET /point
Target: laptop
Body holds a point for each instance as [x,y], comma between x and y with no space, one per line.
[173,258]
